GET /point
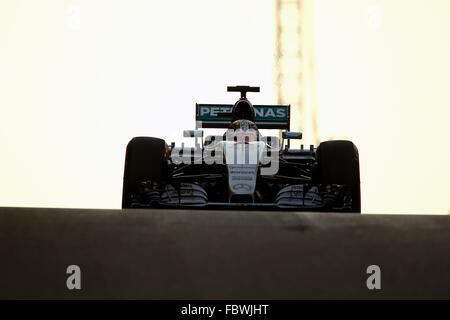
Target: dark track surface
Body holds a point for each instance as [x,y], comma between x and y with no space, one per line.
[155,254]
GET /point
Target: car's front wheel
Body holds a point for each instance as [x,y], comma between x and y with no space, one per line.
[145,160]
[338,163]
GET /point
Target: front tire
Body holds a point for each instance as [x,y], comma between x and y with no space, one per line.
[338,163]
[145,160]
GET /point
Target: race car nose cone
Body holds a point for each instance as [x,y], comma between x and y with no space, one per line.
[241,182]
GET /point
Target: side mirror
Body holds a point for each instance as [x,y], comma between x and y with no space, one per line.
[291,135]
[193,133]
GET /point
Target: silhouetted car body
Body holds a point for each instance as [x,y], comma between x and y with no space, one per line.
[242,168]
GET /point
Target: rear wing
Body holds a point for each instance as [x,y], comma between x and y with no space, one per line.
[266,116]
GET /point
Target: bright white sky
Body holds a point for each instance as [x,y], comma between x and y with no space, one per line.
[73,92]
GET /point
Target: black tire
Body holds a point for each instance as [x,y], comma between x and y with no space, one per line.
[145,159]
[338,163]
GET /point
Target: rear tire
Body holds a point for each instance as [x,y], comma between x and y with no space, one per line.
[338,163]
[145,160]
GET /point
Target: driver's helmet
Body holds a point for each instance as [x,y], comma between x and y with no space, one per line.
[242,131]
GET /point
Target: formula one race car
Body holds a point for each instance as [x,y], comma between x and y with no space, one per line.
[241,168]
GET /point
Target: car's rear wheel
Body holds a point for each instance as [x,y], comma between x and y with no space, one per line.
[338,163]
[145,160]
